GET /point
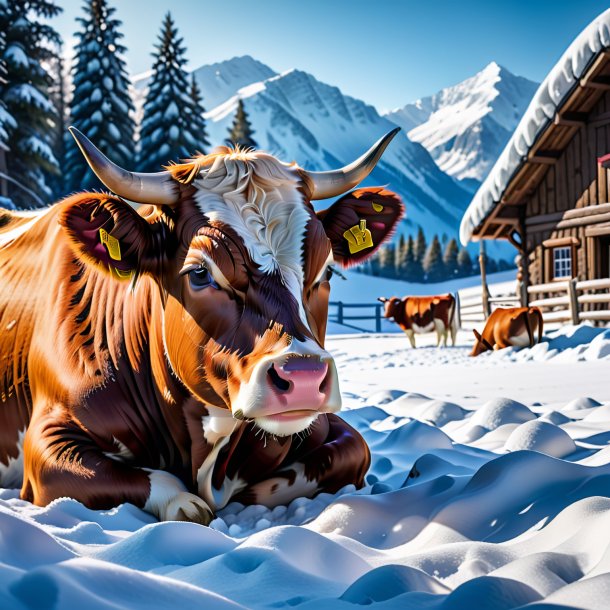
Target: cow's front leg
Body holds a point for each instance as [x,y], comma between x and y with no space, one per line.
[61,460]
[335,455]
[411,336]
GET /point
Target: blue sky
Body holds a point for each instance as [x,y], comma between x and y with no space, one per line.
[386,52]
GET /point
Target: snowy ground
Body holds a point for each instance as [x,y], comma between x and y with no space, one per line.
[489,488]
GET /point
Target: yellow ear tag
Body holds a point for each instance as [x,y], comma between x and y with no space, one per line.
[377,207]
[358,238]
[112,244]
[122,275]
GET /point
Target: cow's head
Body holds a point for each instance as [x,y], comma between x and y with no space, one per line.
[243,263]
[390,306]
[480,345]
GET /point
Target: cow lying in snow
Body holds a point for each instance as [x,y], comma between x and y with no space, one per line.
[506,327]
[174,357]
[423,315]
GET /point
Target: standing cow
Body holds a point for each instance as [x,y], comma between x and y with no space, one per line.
[173,357]
[423,315]
[508,327]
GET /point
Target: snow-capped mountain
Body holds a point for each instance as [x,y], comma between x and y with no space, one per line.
[466,126]
[297,117]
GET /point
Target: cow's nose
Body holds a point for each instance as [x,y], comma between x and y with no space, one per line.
[300,379]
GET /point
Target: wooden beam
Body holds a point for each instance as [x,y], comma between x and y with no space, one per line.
[601,82]
[598,230]
[571,119]
[545,157]
[543,218]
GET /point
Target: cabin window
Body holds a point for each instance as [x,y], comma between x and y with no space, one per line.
[562,262]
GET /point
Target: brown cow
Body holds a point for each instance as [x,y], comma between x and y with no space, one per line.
[423,315]
[173,357]
[509,327]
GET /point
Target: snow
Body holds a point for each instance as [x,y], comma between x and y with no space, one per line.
[555,88]
[16,57]
[488,482]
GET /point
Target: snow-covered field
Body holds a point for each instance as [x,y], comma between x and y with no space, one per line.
[489,488]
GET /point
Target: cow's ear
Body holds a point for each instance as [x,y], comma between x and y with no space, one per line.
[108,233]
[359,222]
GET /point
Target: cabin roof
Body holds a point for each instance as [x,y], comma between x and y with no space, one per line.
[557,110]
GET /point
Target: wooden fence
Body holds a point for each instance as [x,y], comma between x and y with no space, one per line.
[569,301]
[572,300]
[339,313]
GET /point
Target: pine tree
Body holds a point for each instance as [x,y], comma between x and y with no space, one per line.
[433,262]
[450,257]
[241,131]
[420,246]
[101,106]
[29,40]
[464,263]
[58,95]
[7,123]
[196,117]
[399,254]
[172,124]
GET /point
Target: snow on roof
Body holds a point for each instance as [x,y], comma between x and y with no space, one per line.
[555,88]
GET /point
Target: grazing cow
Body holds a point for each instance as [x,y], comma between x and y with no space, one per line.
[511,326]
[423,315]
[173,356]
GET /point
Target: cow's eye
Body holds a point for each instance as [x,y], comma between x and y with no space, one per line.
[201,278]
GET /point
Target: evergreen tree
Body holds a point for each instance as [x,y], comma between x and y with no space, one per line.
[241,131]
[420,246]
[399,254]
[171,129]
[197,121]
[7,123]
[410,269]
[29,43]
[385,260]
[58,94]
[101,105]
[433,262]
[450,257]
[464,263]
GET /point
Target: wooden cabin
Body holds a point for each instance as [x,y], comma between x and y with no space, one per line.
[549,192]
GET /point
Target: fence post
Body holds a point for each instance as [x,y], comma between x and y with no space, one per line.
[573,298]
[340,312]
[377,318]
[484,288]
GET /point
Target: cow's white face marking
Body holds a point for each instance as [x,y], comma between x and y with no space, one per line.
[11,474]
[260,200]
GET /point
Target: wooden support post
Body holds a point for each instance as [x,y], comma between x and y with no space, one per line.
[484,287]
[573,297]
[340,312]
[378,318]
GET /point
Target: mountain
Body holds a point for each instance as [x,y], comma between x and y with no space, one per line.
[465,127]
[296,117]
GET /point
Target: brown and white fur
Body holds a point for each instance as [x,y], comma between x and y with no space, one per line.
[155,390]
[509,327]
[418,315]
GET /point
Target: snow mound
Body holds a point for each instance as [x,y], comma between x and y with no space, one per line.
[541,436]
[501,411]
[495,504]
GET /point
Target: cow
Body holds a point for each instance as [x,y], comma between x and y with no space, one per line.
[510,326]
[171,354]
[423,315]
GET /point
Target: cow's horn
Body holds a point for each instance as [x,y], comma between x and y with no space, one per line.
[156,188]
[339,181]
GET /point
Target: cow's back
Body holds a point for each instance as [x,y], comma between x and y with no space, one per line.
[26,242]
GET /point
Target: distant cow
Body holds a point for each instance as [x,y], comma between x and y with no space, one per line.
[423,315]
[506,327]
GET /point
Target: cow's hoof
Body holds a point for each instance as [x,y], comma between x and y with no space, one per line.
[188,507]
